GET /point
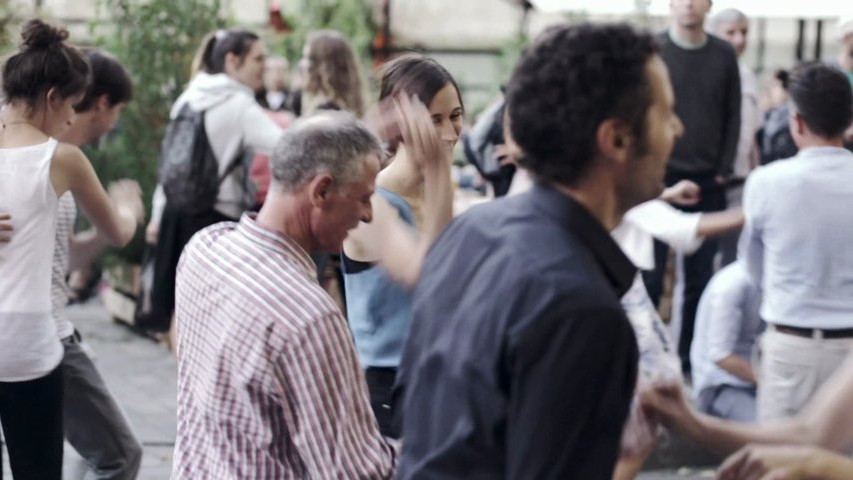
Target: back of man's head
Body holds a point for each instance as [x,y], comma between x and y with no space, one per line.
[109,77]
[569,81]
[822,97]
[333,142]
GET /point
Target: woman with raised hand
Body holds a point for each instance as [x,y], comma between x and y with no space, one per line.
[42,83]
[412,204]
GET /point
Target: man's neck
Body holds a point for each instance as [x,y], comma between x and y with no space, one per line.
[74,136]
[598,198]
[282,213]
[813,141]
[845,60]
[688,38]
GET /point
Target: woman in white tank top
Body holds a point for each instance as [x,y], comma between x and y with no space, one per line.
[42,83]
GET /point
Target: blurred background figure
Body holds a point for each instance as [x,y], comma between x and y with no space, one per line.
[223,93]
[276,83]
[733,26]
[845,63]
[775,140]
[332,78]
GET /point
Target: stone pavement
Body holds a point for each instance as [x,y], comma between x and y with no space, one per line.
[142,376]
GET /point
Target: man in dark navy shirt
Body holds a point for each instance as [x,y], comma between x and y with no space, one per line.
[520,361]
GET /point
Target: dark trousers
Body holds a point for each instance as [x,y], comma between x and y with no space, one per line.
[380,384]
[31,415]
[176,229]
[698,267]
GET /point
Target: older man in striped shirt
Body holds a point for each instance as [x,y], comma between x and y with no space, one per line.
[269,385]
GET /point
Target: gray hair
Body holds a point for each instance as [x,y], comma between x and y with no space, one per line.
[330,142]
[726,16]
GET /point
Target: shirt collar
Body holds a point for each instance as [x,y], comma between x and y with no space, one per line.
[574,217]
[684,44]
[276,241]
[814,152]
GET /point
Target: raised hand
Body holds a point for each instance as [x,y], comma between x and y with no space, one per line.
[418,133]
[127,197]
[683,193]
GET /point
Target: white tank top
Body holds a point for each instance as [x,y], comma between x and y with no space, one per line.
[29,346]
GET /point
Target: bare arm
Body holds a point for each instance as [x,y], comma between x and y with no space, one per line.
[668,404]
[71,171]
[714,224]
[738,367]
[785,462]
[826,421]
[396,246]
[85,247]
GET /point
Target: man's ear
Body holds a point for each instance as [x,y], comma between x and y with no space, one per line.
[614,140]
[320,189]
[797,125]
[102,103]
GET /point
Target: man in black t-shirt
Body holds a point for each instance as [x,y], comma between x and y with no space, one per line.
[706,80]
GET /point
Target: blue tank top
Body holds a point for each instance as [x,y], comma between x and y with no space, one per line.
[378,309]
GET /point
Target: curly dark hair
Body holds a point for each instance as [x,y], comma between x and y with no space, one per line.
[569,81]
[823,98]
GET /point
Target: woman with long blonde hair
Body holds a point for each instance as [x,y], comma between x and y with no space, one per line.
[332,75]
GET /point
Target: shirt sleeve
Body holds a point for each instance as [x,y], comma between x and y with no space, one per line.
[667,224]
[260,132]
[326,405]
[751,245]
[566,380]
[731,120]
[725,317]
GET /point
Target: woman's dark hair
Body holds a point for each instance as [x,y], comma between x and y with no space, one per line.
[43,62]
[822,96]
[223,42]
[569,81]
[109,77]
[782,76]
[415,74]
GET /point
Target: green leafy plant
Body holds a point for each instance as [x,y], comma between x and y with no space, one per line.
[353,18]
[156,41]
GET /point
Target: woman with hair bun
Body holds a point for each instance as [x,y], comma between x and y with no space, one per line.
[43,83]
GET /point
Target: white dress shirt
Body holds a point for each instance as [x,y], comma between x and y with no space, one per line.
[727,323]
[798,238]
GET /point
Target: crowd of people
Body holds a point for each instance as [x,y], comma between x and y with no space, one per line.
[332,319]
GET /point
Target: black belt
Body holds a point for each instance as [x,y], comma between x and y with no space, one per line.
[810,332]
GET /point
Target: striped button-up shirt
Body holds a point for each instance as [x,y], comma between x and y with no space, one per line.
[269,385]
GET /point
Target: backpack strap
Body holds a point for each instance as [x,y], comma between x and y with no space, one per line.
[235,162]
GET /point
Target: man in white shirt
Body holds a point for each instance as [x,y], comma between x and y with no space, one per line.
[798,245]
[727,327]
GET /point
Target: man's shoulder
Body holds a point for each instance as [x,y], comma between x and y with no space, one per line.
[722,47]
[209,236]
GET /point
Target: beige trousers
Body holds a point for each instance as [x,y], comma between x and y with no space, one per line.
[793,368]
